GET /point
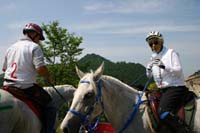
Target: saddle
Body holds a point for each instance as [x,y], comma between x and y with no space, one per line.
[36,101]
[185,112]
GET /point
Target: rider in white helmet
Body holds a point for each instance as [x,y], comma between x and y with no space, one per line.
[23,61]
[166,69]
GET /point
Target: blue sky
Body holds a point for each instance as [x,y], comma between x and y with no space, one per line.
[114,29]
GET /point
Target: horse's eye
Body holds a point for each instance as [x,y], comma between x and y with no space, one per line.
[89,95]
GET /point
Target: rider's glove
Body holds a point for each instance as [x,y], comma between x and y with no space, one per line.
[149,66]
[156,62]
[159,63]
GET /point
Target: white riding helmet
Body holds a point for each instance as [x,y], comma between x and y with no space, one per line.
[154,34]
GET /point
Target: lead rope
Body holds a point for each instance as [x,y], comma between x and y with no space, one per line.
[136,106]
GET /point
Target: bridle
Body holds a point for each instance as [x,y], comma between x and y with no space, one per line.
[85,118]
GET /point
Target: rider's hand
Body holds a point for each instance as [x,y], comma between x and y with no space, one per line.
[159,63]
[156,62]
[149,66]
[50,80]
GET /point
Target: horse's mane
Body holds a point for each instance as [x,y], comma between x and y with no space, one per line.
[126,91]
[119,83]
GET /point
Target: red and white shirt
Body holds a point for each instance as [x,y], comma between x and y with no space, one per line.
[21,61]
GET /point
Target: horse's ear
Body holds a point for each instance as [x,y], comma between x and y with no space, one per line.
[99,71]
[79,72]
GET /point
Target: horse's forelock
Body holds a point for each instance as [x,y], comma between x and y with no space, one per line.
[89,77]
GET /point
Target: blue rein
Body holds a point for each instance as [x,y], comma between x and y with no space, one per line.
[136,107]
[85,118]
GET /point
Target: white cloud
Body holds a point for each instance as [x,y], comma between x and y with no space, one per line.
[128,6]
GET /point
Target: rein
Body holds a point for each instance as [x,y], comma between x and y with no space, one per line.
[136,107]
[85,118]
[61,96]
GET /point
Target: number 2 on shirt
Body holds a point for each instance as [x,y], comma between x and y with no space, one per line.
[14,66]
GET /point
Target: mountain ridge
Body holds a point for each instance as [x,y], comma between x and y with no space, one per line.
[127,72]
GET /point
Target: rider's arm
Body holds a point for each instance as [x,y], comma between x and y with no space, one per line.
[175,66]
[38,61]
[43,71]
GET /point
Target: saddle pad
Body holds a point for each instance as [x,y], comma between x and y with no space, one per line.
[28,102]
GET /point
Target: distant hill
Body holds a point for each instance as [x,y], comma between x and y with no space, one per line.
[126,72]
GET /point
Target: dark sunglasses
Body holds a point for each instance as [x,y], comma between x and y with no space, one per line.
[153,42]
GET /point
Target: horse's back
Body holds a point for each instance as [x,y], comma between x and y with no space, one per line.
[14,114]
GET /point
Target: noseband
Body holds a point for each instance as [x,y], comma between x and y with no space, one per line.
[85,118]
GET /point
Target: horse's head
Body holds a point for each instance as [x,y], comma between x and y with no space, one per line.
[86,102]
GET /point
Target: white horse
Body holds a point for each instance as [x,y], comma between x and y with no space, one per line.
[17,117]
[116,99]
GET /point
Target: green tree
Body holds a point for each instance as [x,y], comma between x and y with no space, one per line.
[61,49]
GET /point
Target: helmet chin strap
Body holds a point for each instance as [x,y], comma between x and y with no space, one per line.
[32,37]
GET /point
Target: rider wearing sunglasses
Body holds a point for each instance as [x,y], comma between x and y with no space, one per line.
[165,67]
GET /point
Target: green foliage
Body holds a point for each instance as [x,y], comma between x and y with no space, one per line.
[61,46]
[61,49]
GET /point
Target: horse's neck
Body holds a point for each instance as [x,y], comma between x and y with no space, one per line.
[66,92]
[118,99]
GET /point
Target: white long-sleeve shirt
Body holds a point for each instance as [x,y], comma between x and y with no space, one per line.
[172,75]
[21,61]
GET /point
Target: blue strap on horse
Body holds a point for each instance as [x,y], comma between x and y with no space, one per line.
[91,128]
[85,118]
[136,107]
